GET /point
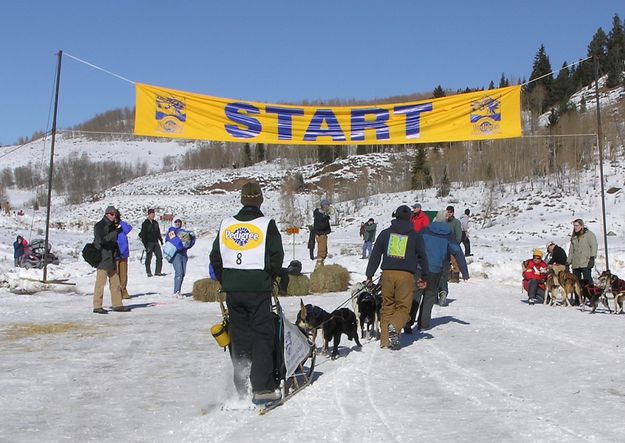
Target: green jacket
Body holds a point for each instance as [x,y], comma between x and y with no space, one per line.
[249,280]
[456,229]
[370,229]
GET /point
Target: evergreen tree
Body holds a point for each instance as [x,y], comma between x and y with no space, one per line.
[445,187]
[325,154]
[503,81]
[439,92]
[597,48]
[562,85]
[615,56]
[420,172]
[260,152]
[540,83]
[247,155]
[541,68]
[491,85]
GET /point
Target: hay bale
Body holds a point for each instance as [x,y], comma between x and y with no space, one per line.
[299,285]
[207,290]
[329,278]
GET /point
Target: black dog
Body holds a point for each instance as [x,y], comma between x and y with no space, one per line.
[593,294]
[342,321]
[367,305]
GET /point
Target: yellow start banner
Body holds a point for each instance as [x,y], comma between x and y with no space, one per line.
[162,112]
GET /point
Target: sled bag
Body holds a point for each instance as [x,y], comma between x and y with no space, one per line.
[92,255]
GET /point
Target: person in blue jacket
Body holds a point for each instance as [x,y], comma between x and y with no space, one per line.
[123,252]
[439,244]
[182,240]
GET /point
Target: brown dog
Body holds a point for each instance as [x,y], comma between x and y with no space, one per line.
[565,284]
[611,282]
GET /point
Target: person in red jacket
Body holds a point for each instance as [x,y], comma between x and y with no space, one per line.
[418,219]
[534,276]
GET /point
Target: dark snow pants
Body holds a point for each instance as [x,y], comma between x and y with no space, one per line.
[534,290]
[153,248]
[423,302]
[252,332]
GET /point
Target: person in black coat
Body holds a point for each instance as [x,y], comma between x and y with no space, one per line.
[401,252]
[152,240]
[321,226]
[557,257]
[105,239]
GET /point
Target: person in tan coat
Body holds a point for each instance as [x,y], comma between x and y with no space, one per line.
[582,251]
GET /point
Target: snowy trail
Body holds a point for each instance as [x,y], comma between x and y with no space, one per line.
[491,369]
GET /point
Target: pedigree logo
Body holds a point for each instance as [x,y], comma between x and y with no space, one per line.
[242,237]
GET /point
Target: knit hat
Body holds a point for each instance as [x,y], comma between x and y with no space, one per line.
[150,211]
[110,209]
[251,194]
[537,253]
[325,203]
[416,206]
[402,213]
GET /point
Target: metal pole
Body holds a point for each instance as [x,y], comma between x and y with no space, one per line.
[600,146]
[56,107]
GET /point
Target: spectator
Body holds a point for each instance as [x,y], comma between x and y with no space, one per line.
[439,245]
[105,234]
[321,225]
[369,237]
[19,246]
[534,276]
[419,219]
[557,257]
[464,239]
[582,251]
[152,240]
[182,240]
[246,269]
[123,252]
[452,272]
[401,251]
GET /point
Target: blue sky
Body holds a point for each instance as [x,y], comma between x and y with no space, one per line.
[274,51]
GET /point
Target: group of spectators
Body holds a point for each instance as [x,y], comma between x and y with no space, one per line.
[111,239]
[580,259]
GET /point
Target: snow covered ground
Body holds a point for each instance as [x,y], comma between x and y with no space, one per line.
[491,369]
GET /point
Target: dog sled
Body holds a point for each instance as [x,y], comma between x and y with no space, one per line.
[294,355]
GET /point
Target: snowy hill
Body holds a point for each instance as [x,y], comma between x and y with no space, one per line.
[124,149]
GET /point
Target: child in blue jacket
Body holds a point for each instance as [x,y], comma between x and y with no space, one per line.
[177,241]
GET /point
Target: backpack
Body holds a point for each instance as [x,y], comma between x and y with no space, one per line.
[294,268]
[92,255]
